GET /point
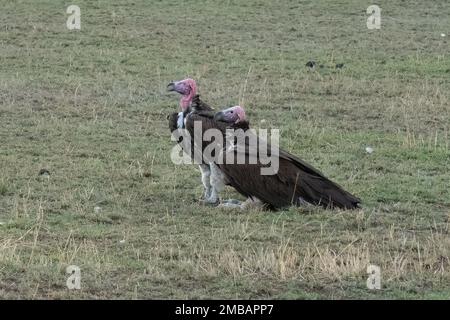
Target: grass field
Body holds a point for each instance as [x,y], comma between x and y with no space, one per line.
[90,106]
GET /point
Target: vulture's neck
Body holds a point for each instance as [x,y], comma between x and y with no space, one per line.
[186,101]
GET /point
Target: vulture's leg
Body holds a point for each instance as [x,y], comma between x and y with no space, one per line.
[217,184]
[206,174]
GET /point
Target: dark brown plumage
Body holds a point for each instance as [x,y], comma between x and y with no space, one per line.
[196,106]
[198,111]
[173,117]
[295,183]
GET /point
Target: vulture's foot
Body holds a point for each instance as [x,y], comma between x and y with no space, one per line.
[230,204]
[232,201]
[209,202]
[205,196]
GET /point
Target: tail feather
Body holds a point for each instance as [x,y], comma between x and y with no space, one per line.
[328,194]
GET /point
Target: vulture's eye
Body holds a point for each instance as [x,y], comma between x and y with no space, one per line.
[231,111]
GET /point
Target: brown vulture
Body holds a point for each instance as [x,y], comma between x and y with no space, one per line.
[193,112]
[295,182]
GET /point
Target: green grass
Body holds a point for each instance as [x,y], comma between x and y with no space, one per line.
[90,106]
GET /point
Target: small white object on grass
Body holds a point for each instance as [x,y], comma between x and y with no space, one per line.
[122,241]
[97,209]
[1,223]
[442,35]
[369,150]
[263,120]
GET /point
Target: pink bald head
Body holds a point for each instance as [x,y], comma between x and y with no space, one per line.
[234,114]
[240,112]
[187,88]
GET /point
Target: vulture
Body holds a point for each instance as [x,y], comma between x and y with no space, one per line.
[195,111]
[294,183]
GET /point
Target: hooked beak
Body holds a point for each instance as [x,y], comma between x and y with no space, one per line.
[219,116]
[171,86]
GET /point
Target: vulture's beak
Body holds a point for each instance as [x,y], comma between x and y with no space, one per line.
[219,116]
[171,86]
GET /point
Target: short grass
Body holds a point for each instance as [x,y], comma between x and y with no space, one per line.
[90,106]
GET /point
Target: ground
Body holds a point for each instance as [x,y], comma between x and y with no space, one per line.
[90,106]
